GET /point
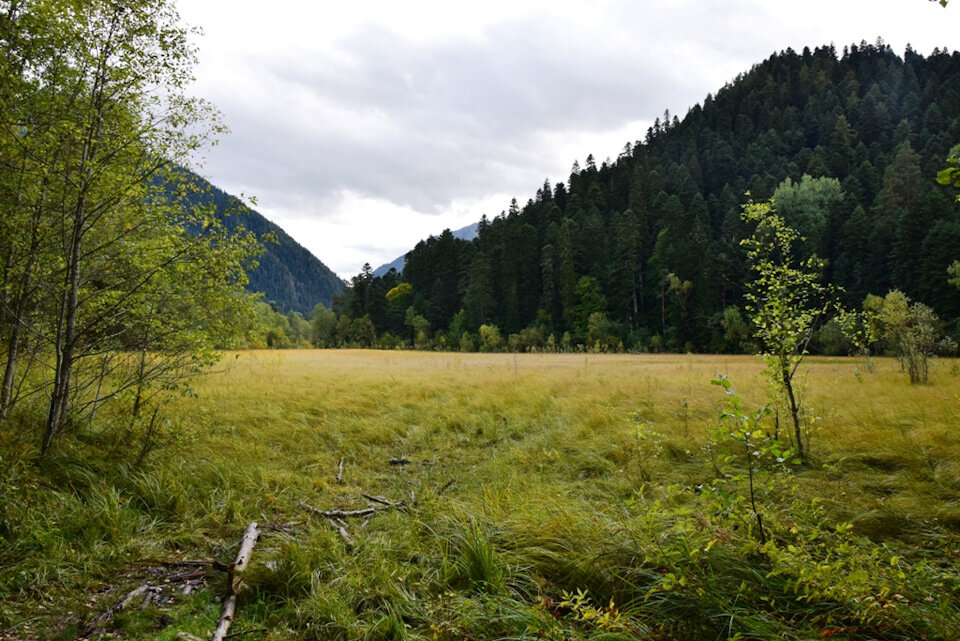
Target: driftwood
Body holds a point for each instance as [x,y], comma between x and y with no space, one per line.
[250,536]
[335,517]
[340,472]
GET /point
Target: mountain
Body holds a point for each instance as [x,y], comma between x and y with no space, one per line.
[464,233]
[288,275]
[646,248]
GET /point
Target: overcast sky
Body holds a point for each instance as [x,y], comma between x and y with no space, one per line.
[363,126]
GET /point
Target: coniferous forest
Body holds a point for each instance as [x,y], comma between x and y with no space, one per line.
[643,251]
[287,274]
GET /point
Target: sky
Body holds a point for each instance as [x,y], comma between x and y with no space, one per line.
[362,127]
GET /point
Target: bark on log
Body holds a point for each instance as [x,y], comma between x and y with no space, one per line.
[226,618]
[250,536]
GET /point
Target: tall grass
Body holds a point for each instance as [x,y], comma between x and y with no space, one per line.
[532,481]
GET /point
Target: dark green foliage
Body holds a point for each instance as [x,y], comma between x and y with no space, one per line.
[288,275]
[658,229]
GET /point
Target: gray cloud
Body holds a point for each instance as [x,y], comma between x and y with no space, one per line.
[412,123]
[450,114]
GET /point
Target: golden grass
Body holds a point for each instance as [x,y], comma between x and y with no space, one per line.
[528,466]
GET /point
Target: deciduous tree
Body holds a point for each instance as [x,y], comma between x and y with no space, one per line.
[785,301]
[124,288]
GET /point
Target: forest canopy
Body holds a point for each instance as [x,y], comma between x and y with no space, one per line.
[644,250]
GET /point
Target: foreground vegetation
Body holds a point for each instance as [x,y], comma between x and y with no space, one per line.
[548,496]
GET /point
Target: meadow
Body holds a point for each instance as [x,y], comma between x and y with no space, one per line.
[560,496]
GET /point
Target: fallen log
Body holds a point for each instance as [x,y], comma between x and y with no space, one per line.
[250,536]
[152,592]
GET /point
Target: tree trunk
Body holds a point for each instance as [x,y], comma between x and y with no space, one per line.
[66,336]
[19,316]
[794,412]
[66,339]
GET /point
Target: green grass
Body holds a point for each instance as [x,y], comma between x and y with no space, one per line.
[534,479]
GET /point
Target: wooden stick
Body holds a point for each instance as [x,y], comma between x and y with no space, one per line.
[342,531]
[226,618]
[182,577]
[340,472]
[446,486]
[216,565]
[108,615]
[282,528]
[403,460]
[397,505]
[331,514]
[250,536]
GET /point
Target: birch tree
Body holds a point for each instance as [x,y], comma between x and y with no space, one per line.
[121,287]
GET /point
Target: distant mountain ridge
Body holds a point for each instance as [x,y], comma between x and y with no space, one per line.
[288,275]
[464,233]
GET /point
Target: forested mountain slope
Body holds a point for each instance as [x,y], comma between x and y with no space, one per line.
[652,238]
[288,275]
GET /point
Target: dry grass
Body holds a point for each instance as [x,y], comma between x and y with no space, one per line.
[534,475]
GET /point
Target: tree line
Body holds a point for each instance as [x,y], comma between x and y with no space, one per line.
[643,252]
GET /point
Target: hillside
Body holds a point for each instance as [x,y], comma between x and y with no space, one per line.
[651,239]
[288,275]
